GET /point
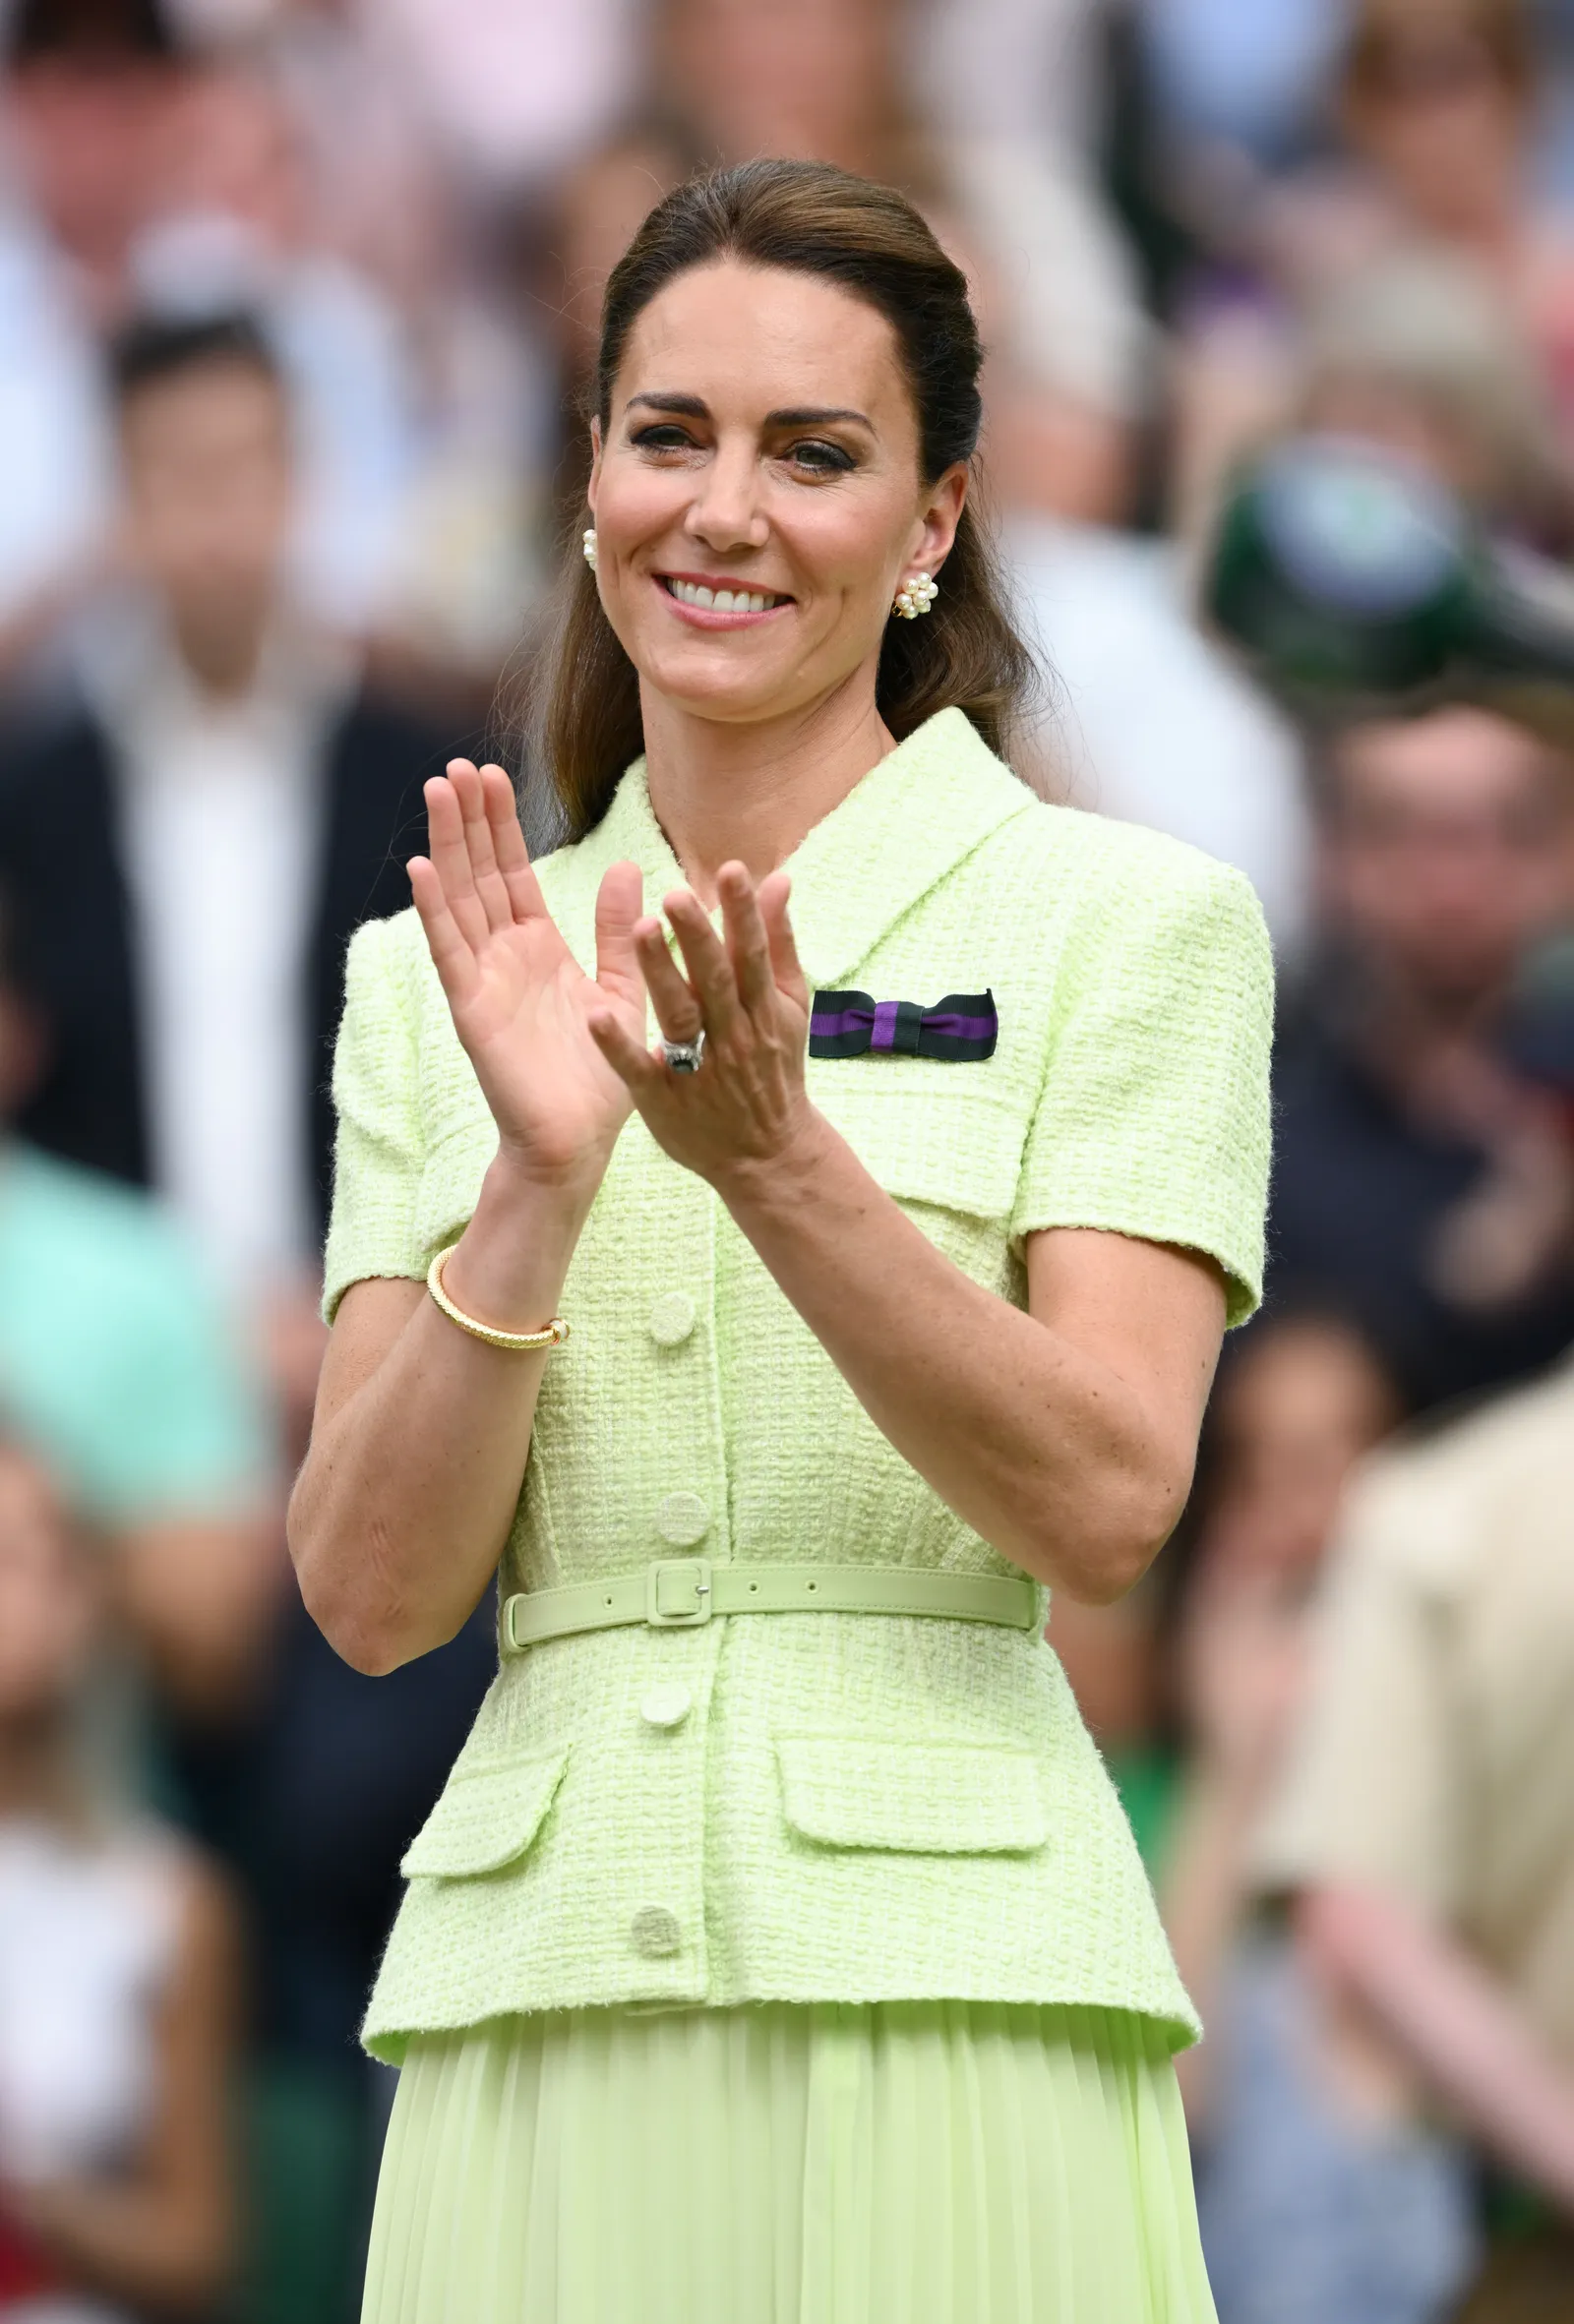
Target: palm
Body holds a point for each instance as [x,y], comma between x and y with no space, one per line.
[520,1002]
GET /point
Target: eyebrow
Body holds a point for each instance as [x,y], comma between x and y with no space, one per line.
[805,415]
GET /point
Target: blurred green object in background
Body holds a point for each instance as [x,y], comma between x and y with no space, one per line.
[304,2140]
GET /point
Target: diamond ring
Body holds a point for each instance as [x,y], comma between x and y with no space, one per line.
[683,1057]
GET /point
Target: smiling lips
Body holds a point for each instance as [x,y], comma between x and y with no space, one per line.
[710,607]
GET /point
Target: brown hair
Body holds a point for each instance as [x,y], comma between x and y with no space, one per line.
[812,219]
[1387,33]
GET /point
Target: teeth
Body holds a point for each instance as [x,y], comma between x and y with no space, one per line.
[723,601]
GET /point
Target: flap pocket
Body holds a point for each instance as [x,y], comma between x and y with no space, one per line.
[488,1815]
[927,1134]
[923,1798]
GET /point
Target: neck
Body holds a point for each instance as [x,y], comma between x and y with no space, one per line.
[751,794]
[223,656]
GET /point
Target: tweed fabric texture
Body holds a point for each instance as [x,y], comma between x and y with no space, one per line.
[693,1410]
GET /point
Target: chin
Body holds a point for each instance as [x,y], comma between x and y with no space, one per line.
[710,684]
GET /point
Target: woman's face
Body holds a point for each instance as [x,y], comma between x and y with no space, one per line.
[762,445]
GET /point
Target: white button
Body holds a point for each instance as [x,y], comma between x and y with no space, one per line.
[672,1318]
[666,1704]
[683,1519]
[655,1930]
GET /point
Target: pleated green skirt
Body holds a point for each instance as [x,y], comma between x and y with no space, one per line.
[885,2162]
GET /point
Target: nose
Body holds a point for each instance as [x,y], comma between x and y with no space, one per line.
[725,511]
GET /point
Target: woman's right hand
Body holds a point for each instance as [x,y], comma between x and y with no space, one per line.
[519,1000]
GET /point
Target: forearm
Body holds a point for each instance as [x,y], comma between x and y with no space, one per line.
[408,1495]
[1036,1445]
[1457,2024]
[133,2244]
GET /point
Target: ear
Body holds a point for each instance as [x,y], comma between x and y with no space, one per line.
[939,517]
[596,465]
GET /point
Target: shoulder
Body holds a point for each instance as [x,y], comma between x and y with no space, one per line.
[43,748]
[388,961]
[1105,853]
[1126,888]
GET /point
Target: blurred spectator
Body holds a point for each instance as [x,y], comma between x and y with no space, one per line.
[87,109]
[147,175]
[1193,749]
[1236,84]
[117,1365]
[198,832]
[94,104]
[517,89]
[1425,1825]
[1424,1175]
[1318,2200]
[1436,102]
[1421,354]
[117,1984]
[1418,352]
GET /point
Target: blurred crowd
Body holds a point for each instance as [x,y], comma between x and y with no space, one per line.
[297,306]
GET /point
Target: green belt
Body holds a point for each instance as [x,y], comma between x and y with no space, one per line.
[681,1593]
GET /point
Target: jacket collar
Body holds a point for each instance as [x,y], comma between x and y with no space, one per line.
[913,818]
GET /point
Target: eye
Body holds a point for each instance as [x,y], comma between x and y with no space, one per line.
[819,457]
[664,435]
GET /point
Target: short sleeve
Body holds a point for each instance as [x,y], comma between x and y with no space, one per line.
[379,1152]
[1154,1116]
[1371,1788]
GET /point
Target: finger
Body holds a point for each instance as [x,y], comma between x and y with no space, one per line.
[641,1074]
[676,1011]
[449,854]
[512,857]
[471,792]
[706,959]
[620,901]
[452,954]
[775,891]
[747,947]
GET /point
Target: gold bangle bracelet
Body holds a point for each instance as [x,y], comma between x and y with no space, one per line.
[514,1342]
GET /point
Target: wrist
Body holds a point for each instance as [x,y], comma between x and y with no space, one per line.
[516,1189]
[748,1183]
[509,1266]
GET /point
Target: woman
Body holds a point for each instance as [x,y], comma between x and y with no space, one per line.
[117,1974]
[796,1963]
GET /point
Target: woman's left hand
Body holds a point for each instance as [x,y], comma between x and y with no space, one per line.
[747,1104]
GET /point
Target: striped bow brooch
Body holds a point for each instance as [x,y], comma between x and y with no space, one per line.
[962,1028]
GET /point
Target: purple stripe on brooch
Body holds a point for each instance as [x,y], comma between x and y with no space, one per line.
[883,1035]
[961,1028]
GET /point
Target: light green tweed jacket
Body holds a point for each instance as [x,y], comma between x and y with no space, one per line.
[795,1806]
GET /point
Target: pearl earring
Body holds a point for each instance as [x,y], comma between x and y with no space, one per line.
[588,544]
[916,596]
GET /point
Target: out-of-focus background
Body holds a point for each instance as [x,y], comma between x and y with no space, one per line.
[297,302]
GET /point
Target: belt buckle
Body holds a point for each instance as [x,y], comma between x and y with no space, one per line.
[696,1578]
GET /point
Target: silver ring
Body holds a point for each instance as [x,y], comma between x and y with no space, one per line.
[683,1057]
